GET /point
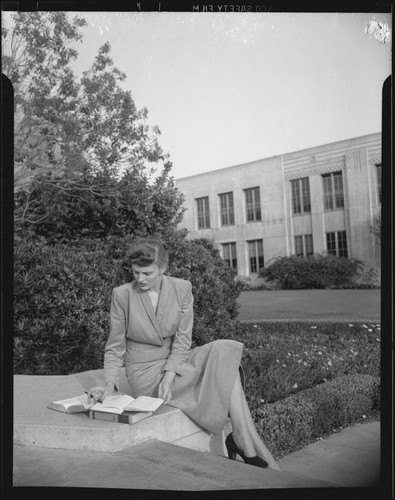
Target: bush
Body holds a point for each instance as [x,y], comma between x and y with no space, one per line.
[62,298]
[315,271]
[215,287]
[289,425]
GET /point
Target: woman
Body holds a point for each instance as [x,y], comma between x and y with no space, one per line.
[151,335]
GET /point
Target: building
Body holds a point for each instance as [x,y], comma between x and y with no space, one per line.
[321,199]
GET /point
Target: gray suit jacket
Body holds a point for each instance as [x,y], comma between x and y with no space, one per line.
[138,335]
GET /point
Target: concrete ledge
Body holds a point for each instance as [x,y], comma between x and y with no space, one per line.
[36,425]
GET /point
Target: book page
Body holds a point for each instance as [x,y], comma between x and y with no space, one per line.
[76,401]
[144,403]
[114,404]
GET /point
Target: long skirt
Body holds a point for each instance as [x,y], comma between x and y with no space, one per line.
[203,390]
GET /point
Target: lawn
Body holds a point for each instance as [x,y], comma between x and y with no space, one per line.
[363,305]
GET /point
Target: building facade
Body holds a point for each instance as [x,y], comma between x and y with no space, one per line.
[321,199]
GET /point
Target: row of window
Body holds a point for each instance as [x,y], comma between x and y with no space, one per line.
[336,244]
[333,198]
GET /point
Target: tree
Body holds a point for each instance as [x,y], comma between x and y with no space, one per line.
[72,135]
[36,59]
[376,229]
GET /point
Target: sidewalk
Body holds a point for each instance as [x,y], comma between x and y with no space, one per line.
[350,458]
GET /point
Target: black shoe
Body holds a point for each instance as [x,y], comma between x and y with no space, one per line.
[233,450]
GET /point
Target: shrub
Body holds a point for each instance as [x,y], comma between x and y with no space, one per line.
[62,298]
[315,271]
[299,420]
[215,287]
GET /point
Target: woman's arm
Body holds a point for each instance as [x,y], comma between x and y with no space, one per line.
[115,347]
[183,337]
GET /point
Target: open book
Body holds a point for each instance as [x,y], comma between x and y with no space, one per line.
[78,404]
[119,403]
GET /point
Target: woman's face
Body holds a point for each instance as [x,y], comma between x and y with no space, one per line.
[148,277]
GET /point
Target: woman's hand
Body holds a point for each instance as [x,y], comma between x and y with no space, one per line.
[99,393]
[164,390]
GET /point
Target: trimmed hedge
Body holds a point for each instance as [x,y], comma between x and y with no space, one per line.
[297,421]
[314,271]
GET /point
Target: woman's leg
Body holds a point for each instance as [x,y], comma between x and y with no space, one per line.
[240,426]
[244,431]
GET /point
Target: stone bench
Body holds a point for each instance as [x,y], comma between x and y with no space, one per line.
[36,425]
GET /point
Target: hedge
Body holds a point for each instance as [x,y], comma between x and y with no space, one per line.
[62,298]
[318,271]
[297,421]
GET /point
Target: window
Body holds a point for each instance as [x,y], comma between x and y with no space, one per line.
[333,190]
[255,253]
[378,177]
[304,245]
[203,213]
[336,243]
[301,196]
[253,204]
[229,254]
[227,209]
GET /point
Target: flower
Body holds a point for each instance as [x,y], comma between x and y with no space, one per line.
[363,416]
[364,326]
[255,326]
[313,327]
[350,324]
[329,363]
[319,352]
[295,386]
[370,330]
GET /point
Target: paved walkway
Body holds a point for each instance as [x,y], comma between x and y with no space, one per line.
[318,305]
[350,458]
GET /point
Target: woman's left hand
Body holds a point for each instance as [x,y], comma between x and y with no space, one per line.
[164,390]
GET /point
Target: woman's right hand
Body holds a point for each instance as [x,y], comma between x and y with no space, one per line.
[99,393]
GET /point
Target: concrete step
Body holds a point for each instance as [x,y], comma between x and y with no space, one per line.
[36,425]
[152,465]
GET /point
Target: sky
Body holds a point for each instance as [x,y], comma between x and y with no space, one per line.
[230,88]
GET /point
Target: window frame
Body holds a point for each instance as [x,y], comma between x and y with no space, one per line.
[253,207]
[205,214]
[303,243]
[333,191]
[231,258]
[300,196]
[338,242]
[227,210]
[254,267]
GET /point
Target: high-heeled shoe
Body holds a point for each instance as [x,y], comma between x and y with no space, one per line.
[233,450]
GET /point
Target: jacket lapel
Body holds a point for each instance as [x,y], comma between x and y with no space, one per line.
[165,300]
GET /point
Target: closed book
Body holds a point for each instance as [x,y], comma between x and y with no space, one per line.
[78,404]
[124,418]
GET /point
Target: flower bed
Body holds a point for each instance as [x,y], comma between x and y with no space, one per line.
[306,379]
